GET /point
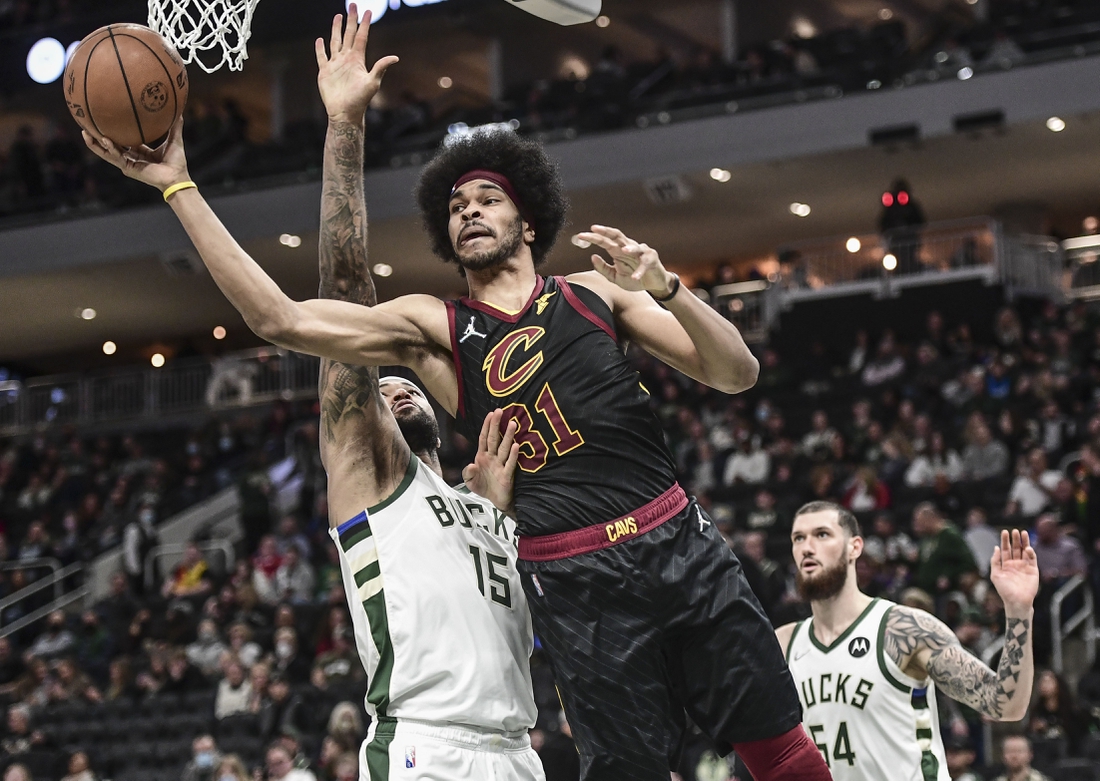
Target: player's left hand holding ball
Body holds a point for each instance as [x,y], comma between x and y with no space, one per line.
[161,167]
[633,266]
[1014,572]
[347,87]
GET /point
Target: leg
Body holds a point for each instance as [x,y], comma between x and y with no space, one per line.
[592,618]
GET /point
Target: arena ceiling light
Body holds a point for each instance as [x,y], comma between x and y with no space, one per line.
[965,73]
[383,269]
[853,245]
[445,82]
[86,313]
[720,175]
[219,332]
[603,21]
[800,209]
[157,360]
[290,240]
[109,348]
[889,261]
[1056,124]
[46,61]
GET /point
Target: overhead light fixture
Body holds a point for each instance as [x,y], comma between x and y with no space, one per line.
[46,61]
[800,209]
[1090,224]
[445,82]
[219,332]
[87,313]
[889,261]
[383,269]
[109,348]
[853,245]
[1056,124]
[720,175]
[603,21]
[885,14]
[965,73]
[290,240]
[157,360]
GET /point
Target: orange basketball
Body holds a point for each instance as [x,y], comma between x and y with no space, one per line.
[126,83]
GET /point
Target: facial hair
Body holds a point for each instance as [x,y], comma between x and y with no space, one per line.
[826,584]
[420,430]
[507,246]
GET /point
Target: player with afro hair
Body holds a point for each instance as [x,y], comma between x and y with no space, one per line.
[523,163]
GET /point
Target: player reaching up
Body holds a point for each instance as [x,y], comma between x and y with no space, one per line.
[867,669]
[643,610]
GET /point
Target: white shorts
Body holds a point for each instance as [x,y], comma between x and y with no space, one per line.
[420,751]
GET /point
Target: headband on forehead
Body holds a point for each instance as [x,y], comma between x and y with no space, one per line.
[501,181]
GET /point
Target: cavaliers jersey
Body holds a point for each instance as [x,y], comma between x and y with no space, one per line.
[869,719]
[591,447]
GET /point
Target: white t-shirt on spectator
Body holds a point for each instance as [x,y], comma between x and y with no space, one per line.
[924,469]
[1033,496]
[229,700]
[752,468]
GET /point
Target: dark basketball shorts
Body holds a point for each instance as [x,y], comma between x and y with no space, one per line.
[644,631]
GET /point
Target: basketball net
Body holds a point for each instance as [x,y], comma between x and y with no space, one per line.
[211,33]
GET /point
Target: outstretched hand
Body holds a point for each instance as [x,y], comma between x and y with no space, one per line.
[347,87]
[493,472]
[633,266]
[161,167]
[1014,571]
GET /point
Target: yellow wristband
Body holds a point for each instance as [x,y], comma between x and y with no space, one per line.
[177,187]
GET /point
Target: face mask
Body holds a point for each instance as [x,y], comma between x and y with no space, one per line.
[228,778]
[283,649]
[146,516]
[204,759]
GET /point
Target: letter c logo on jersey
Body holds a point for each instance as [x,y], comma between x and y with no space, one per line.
[497,379]
[859,647]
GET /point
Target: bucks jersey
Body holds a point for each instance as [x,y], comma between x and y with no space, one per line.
[869,719]
[441,622]
[591,447]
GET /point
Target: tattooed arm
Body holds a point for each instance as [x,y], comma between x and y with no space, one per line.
[923,646]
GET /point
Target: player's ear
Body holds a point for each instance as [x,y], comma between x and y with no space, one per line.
[856,544]
[528,233]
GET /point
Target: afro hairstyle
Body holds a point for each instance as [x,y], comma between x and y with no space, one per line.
[524,162]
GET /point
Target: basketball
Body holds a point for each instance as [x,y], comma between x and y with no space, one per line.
[126,83]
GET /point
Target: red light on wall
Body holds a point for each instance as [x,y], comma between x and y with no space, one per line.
[903,198]
[887,200]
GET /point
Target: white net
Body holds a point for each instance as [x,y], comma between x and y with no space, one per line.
[211,33]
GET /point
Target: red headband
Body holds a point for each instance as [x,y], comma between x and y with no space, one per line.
[501,181]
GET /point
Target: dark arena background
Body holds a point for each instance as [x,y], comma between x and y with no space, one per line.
[896,201]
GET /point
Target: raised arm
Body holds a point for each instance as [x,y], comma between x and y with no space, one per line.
[921,643]
[686,334]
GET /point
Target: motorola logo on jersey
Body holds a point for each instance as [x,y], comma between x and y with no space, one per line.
[497,378]
[859,647]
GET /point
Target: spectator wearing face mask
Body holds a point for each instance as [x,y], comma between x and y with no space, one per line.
[138,538]
[231,768]
[288,660]
[206,652]
[205,760]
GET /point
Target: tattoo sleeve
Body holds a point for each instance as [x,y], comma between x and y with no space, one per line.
[913,635]
[345,391]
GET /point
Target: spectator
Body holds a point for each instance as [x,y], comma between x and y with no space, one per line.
[120,682]
[79,769]
[138,539]
[294,580]
[347,767]
[17,772]
[887,365]
[280,766]
[241,646]
[981,538]
[231,768]
[288,659]
[1060,556]
[985,457]
[259,677]
[191,577]
[341,665]
[94,645]
[865,492]
[345,726]
[265,564]
[182,677]
[1054,714]
[289,537]
[118,608]
[71,684]
[946,562]
[282,709]
[885,544]
[206,652]
[1031,491]
[234,691]
[11,667]
[56,641]
[1016,756]
[938,461]
[960,759]
[20,738]
[817,445]
[205,760]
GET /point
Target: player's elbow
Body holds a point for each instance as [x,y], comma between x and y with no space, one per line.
[1013,711]
[743,375]
[279,326]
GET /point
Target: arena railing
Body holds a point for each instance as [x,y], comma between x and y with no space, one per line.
[61,598]
[1084,617]
[31,565]
[240,379]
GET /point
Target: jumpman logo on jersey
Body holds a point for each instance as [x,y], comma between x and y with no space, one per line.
[471,330]
[703,522]
[542,302]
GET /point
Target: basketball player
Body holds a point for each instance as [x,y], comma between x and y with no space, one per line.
[441,623]
[643,610]
[867,669]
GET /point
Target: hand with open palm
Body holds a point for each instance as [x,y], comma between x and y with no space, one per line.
[633,266]
[1014,571]
[347,87]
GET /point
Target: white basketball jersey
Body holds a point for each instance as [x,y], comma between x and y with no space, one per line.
[869,719]
[441,623]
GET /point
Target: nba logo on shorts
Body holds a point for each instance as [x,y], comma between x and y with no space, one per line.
[410,756]
[538,586]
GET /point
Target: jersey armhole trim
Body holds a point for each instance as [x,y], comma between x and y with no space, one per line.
[406,481]
[583,310]
[880,652]
[451,316]
[790,641]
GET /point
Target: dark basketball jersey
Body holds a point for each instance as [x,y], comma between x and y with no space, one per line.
[591,448]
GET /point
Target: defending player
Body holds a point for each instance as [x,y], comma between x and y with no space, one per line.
[643,610]
[867,669]
[440,620]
